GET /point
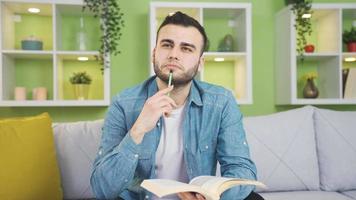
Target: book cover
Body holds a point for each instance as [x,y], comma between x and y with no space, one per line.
[350,86]
[211,187]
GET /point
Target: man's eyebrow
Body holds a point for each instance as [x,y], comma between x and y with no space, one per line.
[188,44]
[166,40]
[181,44]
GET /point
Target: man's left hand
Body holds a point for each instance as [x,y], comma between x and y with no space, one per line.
[190,196]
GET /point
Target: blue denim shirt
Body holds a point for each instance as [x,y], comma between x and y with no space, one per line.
[212,132]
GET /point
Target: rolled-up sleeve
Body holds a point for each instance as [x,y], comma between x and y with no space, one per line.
[116,162]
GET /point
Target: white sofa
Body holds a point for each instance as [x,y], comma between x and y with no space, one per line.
[301,154]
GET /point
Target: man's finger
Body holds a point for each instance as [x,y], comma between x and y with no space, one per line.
[199,196]
[186,195]
[164,91]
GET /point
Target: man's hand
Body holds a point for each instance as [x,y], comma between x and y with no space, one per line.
[190,196]
[154,108]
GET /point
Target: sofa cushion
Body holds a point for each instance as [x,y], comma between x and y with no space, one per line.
[304,195]
[336,146]
[283,147]
[28,168]
[77,145]
[351,194]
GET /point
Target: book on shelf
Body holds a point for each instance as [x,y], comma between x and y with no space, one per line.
[350,86]
[345,73]
[211,187]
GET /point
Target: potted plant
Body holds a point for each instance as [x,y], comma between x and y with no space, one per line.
[81,82]
[349,38]
[302,24]
[111,25]
[310,90]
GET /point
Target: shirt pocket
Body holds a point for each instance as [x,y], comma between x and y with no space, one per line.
[207,155]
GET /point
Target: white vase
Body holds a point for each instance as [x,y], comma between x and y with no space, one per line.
[81,91]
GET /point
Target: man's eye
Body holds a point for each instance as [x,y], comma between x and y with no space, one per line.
[186,49]
[166,45]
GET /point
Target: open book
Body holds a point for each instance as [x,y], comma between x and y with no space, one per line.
[211,187]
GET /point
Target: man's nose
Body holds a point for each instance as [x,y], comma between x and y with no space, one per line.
[174,53]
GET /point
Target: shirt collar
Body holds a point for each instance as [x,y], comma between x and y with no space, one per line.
[194,94]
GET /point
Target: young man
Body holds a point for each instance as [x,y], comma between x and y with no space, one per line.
[174,132]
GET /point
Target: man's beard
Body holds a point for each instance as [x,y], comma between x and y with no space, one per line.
[177,81]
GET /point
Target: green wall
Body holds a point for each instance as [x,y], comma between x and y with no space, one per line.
[131,66]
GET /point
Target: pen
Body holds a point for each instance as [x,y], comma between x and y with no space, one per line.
[170,78]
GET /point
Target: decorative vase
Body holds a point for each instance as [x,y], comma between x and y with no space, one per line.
[351,47]
[310,91]
[20,93]
[81,91]
[81,36]
[39,93]
[226,44]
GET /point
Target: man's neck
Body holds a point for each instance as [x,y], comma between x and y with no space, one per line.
[179,93]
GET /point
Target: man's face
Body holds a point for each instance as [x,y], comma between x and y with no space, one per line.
[178,50]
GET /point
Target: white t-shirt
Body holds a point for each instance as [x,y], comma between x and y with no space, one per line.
[169,156]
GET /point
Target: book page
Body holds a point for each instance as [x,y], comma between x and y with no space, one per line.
[163,187]
[210,183]
[218,185]
[234,182]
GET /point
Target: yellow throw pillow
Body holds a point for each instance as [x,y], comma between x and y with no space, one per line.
[28,164]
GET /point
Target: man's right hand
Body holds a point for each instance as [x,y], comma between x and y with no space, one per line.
[153,109]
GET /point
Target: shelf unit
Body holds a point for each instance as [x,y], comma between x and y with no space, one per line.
[218,19]
[56,25]
[328,22]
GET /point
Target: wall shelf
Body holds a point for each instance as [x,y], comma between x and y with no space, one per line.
[57,26]
[328,22]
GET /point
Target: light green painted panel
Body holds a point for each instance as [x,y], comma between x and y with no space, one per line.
[349,64]
[41,75]
[216,29]
[37,26]
[220,73]
[92,68]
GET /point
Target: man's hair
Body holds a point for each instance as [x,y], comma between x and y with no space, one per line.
[179,18]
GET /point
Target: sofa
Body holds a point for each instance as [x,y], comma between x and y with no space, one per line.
[301,154]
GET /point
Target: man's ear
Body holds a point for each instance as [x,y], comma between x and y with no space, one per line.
[201,63]
[153,54]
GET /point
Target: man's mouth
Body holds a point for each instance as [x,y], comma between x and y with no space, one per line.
[172,66]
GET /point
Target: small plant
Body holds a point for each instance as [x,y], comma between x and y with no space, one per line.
[302,25]
[349,36]
[111,25]
[309,76]
[80,78]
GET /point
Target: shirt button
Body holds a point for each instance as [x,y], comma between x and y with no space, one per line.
[245,143]
[126,180]
[136,155]
[206,147]
[158,124]
[100,152]
[146,197]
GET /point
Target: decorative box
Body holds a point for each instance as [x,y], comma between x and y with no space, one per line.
[31,43]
